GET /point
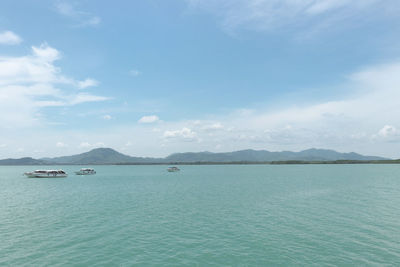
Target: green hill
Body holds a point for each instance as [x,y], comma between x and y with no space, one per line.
[22,161]
[99,156]
[110,156]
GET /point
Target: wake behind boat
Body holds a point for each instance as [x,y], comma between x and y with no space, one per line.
[85,171]
[46,174]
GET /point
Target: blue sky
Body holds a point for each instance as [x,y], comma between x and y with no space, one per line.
[150,78]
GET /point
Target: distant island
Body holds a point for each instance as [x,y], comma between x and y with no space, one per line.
[105,156]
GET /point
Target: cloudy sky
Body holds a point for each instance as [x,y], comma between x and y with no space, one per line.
[150,78]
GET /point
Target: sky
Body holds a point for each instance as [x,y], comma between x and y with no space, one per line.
[151,78]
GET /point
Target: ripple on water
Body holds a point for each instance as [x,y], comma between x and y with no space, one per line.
[204,215]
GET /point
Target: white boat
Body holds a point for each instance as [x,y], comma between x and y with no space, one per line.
[46,174]
[173,169]
[85,171]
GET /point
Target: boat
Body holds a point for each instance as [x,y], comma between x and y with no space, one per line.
[86,171]
[46,174]
[173,169]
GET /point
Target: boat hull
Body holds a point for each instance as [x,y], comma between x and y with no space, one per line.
[36,175]
[173,169]
[80,173]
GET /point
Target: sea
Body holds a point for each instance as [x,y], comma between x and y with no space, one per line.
[204,215]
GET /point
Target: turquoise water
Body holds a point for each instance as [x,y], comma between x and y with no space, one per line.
[246,215]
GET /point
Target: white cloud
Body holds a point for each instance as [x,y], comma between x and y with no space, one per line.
[89,145]
[9,38]
[270,15]
[61,144]
[316,7]
[107,117]
[364,120]
[149,119]
[87,83]
[85,97]
[32,82]
[46,53]
[184,134]
[93,21]
[35,68]
[65,9]
[135,72]
[377,90]
[388,131]
[213,127]
[84,145]
[82,18]
[346,124]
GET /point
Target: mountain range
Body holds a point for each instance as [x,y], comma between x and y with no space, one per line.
[110,156]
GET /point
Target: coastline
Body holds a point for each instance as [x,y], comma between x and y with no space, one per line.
[289,162]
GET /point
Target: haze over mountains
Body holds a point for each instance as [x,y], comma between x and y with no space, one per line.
[110,156]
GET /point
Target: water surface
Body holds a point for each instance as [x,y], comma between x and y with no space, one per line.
[203,216]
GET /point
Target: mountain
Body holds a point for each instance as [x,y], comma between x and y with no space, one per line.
[99,156]
[326,154]
[110,156]
[22,161]
[266,156]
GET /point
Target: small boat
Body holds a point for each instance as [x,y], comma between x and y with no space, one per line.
[46,174]
[86,171]
[173,169]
